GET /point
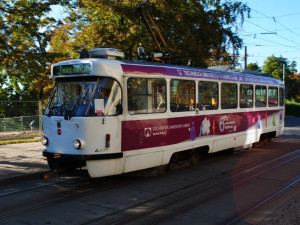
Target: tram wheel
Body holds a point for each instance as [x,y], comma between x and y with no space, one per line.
[195,157]
[179,160]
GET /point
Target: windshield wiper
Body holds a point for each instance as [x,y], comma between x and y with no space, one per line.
[68,115]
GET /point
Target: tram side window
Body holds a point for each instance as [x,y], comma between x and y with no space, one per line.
[146,95]
[281,96]
[273,96]
[260,96]
[182,95]
[246,96]
[208,94]
[229,93]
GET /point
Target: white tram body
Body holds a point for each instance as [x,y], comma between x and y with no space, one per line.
[116,117]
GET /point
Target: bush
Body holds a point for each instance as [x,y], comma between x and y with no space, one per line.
[292,108]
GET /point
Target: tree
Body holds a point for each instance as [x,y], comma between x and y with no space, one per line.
[254,67]
[25,32]
[274,66]
[194,30]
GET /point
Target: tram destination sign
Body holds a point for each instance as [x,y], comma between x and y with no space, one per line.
[72,69]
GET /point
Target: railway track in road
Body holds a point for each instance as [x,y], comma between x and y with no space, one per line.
[83,187]
[269,197]
[153,210]
[169,205]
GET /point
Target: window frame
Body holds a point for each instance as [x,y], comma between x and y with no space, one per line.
[281,96]
[264,100]
[246,105]
[149,97]
[224,103]
[273,98]
[214,97]
[189,97]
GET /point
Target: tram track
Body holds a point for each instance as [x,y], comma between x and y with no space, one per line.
[59,197]
[23,190]
[161,207]
[157,210]
[269,197]
[55,198]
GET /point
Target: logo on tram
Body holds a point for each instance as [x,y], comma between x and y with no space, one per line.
[225,124]
[147,132]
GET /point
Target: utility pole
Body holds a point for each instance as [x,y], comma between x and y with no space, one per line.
[233,58]
[283,72]
[245,57]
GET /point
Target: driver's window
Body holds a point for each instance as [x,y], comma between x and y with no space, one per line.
[108,98]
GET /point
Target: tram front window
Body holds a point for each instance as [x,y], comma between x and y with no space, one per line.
[85,98]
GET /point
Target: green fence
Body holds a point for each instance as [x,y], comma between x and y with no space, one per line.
[20,116]
[21,124]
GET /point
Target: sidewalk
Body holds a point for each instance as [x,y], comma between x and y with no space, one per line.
[21,160]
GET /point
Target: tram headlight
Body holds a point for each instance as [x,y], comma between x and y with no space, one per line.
[77,144]
[45,141]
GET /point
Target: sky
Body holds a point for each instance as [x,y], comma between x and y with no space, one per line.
[273,29]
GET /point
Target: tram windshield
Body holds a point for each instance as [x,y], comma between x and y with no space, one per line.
[85,98]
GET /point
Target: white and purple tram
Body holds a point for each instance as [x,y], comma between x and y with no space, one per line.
[116,117]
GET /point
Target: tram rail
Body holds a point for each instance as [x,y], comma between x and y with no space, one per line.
[288,185]
[157,210]
[163,206]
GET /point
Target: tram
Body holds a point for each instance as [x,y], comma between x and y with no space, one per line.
[115,116]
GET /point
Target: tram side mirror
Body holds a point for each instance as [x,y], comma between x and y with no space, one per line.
[141,52]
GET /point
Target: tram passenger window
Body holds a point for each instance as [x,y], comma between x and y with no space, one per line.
[260,96]
[281,96]
[229,96]
[246,96]
[208,94]
[273,96]
[146,95]
[182,95]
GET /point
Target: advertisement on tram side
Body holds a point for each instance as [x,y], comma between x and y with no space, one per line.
[140,134]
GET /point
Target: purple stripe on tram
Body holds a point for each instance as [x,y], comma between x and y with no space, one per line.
[197,73]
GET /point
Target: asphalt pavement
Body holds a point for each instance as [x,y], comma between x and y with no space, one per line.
[21,161]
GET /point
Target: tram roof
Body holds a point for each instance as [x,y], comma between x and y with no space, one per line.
[147,68]
[131,67]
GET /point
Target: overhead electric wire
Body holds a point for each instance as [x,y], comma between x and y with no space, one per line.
[283,44]
[291,14]
[273,32]
[277,22]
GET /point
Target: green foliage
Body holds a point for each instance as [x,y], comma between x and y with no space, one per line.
[254,67]
[274,66]
[292,108]
[25,32]
[196,30]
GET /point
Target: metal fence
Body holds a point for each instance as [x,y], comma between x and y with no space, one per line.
[20,117]
[20,124]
